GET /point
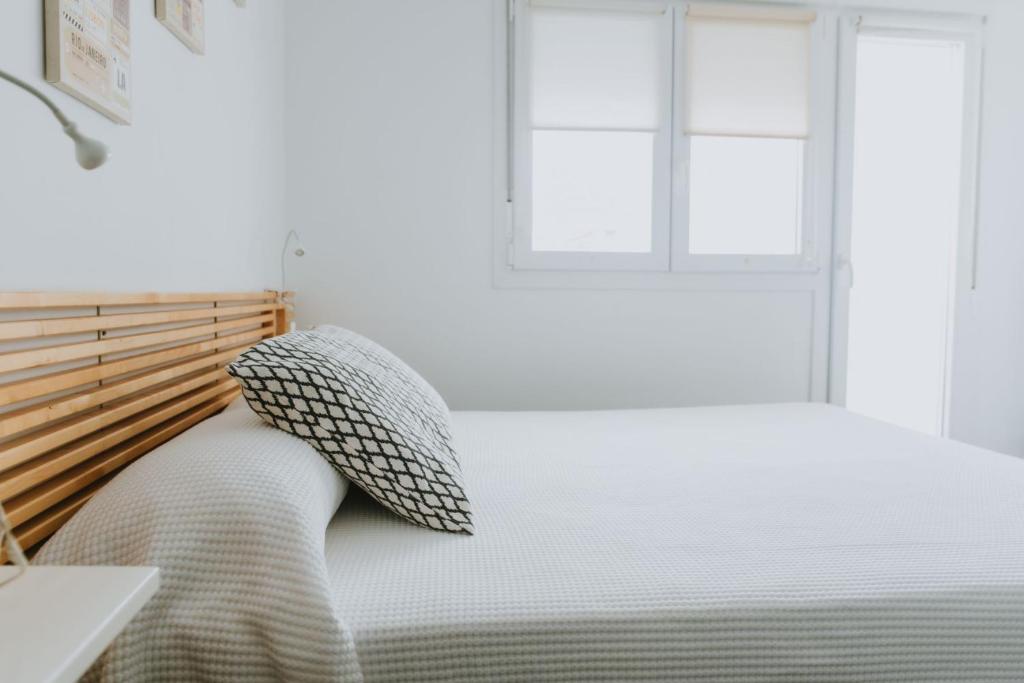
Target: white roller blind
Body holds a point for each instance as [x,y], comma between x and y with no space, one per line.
[595,69]
[748,71]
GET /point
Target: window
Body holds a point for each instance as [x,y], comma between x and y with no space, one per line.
[747,116]
[597,111]
[660,136]
[745,195]
[596,140]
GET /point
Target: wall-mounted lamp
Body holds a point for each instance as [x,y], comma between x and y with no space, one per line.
[90,153]
[299,251]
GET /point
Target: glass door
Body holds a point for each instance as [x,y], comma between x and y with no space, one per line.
[902,221]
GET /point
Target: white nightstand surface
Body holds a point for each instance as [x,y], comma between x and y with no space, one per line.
[55,621]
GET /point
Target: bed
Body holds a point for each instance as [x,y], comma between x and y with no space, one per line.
[780,542]
[744,543]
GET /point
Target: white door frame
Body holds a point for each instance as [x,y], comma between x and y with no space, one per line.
[964,280]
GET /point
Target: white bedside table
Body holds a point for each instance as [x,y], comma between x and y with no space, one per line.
[55,621]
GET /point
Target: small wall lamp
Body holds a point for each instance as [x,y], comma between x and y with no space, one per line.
[300,251]
[90,153]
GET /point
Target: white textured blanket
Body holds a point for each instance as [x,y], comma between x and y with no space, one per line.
[788,543]
[233,512]
[762,543]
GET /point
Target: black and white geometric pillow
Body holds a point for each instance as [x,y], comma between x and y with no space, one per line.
[369,414]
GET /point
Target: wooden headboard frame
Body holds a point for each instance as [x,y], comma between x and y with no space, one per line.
[91,382]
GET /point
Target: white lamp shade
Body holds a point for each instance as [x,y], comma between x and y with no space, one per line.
[90,153]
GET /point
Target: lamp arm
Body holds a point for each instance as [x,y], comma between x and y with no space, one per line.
[91,154]
[284,253]
[11,545]
[64,120]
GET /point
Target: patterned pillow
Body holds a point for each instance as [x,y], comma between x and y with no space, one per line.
[368,413]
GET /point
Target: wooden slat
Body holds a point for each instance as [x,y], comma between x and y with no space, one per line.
[27,447]
[28,300]
[23,329]
[42,527]
[34,358]
[35,416]
[47,500]
[49,493]
[59,408]
[33,473]
[285,314]
[69,430]
[25,390]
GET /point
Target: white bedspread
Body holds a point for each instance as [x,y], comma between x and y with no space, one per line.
[233,512]
[789,543]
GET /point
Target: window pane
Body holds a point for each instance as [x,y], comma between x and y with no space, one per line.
[745,195]
[747,76]
[595,69]
[592,191]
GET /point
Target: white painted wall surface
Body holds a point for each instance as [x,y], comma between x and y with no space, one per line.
[390,183]
[193,197]
[389,113]
[988,361]
[390,167]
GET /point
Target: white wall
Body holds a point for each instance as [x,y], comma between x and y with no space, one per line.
[193,198]
[390,181]
[988,372]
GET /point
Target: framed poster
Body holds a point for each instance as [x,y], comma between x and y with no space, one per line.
[88,53]
[185,19]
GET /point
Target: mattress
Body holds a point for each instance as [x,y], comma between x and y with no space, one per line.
[784,542]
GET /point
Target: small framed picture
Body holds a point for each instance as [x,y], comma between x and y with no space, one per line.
[186,20]
[88,53]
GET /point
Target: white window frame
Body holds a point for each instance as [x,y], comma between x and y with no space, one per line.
[817,154]
[524,257]
[670,229]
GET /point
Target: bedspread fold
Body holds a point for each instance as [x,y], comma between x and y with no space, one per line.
[233,512]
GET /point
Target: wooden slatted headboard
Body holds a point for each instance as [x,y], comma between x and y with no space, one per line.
[91,382]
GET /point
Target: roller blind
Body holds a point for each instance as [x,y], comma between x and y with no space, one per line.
[594,69]
[748,71]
